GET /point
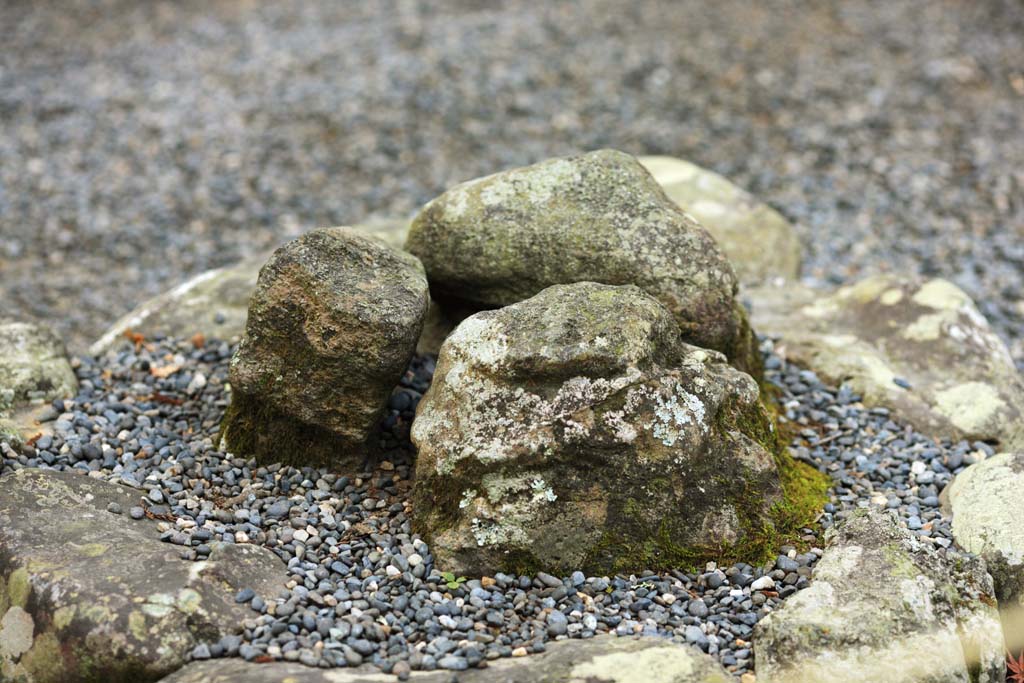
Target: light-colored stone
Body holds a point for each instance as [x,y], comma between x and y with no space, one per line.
[215,303]
[759,241]
[987,502]
[574,430]
[34,366]
[86,594]
[605,659]
[883,606]
[963,381]
[331,328]
[597,217]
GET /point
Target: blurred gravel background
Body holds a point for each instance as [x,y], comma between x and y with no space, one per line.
[141,142]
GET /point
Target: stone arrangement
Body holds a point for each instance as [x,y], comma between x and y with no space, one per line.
[577,462]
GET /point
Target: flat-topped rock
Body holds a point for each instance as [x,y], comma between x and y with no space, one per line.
[574,430]
[90,595]
[761,244]
[332,325]
[917,347]
[605,659]
[597,217]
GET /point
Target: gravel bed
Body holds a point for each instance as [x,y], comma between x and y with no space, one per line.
[363,587]
[144,142]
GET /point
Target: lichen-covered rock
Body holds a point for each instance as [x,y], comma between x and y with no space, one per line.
[919,348]
[89,595]
[883,606]
[597,217]
[331,328]
[215,303]
[34,366]
[759,241]
[605,659]
[987,502]
[575,430]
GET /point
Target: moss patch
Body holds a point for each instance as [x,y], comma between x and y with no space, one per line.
[253,429]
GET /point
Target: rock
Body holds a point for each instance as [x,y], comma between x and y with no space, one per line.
[606,659]
[215,303]
[34,366]
[884,329]
[332,326]
[985,500]
[760,243]
[34,370]
[574,430]
[596,217]
[87,595]
[884,606]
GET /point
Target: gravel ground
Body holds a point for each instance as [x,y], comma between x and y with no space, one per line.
[363,587]
[143,142]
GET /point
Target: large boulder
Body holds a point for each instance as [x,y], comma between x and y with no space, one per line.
[34,370]
[599,660]
[215,303]
[759,241]
[332,327]
[987,500]
[575,430]
[884,606]
[597,217]
[90,595]
[917,347]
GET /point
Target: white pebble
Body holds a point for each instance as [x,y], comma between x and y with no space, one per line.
[762,584]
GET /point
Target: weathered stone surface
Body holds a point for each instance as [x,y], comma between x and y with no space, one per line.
[34,370]
[963,382]
[884,606]
[216,303]
[332,326]
[599,660]
[597,217]
[34,366]
[759,241]
[574,430]
[88,595]
[987,502]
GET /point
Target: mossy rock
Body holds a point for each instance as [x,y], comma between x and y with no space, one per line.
[597,217]
[34,366]
[918,347]
[92,596]
[574,430]
[332,326]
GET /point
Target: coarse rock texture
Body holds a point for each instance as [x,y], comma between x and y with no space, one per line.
[596,217]
[884,606]
[761,244]
[917,347]
[332,327]
[606,660]
[215,303]
[34,369]
[574,430]
[34,366]
[91,595]
[985,500]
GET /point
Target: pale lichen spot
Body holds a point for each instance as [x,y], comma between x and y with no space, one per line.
[467,498]
[928,327]
[891,297]
[663,664]
[674,413]
[971,406]
[940,295]
[16,629]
